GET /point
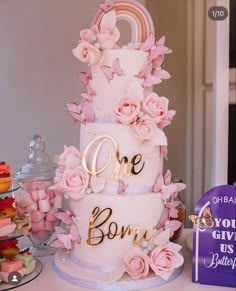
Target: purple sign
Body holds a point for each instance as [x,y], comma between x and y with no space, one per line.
[214,238]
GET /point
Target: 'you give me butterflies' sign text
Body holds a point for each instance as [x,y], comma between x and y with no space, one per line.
[214,238]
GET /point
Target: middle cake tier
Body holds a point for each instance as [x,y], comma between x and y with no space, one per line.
[111,152]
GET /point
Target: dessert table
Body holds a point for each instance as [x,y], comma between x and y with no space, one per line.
[49,280]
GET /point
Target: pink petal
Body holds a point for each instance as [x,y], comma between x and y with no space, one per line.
[164,152]
[173,213]
[57,244]
[173,225]
[117,68]
[168,177]
[161,41]
[162,74]
[158,62]
[145,72]
[180,186]
[163,219]
[148,44]
[173,204]
[159,184]
[167,191]
[150,81]
[108,21]
[121,187]
[108,72]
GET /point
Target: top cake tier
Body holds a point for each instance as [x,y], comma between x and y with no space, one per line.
[119,81]
[110,92]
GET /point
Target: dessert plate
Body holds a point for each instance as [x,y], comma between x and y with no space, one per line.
[26,279]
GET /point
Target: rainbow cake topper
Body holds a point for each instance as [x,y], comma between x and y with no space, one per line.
[132,12]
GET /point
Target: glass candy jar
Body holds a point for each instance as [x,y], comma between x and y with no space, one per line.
[35,198]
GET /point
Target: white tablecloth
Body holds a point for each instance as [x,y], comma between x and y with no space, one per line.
[48,280]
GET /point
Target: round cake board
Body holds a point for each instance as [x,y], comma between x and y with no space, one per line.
[76,275]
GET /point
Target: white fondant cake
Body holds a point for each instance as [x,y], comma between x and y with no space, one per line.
[122,210]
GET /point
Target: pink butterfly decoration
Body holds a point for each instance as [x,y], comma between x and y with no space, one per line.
[106,6]
[111,71]
[166,190]
[172,225]
[85,77]
[121,187]
[163,219]
[64,217]
[82,112]
[155,49]
[148,44]
[65,238]
[89,94]
[152,76]
[157,63]
[173,212]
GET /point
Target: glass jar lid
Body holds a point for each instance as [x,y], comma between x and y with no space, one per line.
[39,167]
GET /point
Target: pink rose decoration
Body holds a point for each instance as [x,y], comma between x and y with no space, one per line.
[70,158]
[86,52]
[109,33]
[136,263]
[164,260]
[127,110]
[166,120]
[156,107]
[144,129]
[89,35]
[75,182]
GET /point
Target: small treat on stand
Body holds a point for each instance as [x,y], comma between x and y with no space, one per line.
[11,259]
[9,248]
[9,266]
[28,261]
[5,177]
[7,213]
[7,208]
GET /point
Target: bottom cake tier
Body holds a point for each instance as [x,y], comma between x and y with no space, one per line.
[83,277]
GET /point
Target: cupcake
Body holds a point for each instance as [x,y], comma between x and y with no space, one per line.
[5,177]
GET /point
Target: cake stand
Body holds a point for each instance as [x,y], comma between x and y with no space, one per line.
[18,233]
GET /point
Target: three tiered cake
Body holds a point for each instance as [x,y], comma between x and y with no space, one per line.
[122,210]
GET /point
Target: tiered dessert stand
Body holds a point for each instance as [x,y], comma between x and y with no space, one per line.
[17,234]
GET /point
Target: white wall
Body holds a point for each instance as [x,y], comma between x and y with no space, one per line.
[38,73]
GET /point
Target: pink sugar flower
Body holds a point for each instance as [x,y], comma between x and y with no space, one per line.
[164,261]
[75,182]
[156,107]
[136,263]
[89,35]
[127,110]
[86,52]
[144,129]
[70,158]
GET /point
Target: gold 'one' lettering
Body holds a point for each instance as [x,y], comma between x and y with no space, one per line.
[98,144]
